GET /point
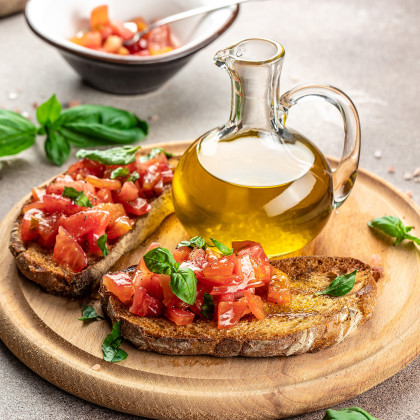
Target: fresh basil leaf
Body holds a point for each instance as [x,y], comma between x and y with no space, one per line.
[352,413]
[154,152]
[197,241]
[115,156]
[119,172]
[89,313]
[56,147]
[16,133]
[161,261]
[79,198]
[340,286]
[101,242]
[133,177]
[111,345]
[394,227]
[222,248]
[184,284]
[94,125]
[48,112]
[208,306]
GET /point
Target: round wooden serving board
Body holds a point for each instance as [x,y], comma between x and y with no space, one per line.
[44,333]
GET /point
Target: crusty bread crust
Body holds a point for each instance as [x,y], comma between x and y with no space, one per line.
[309,324]
[38,265]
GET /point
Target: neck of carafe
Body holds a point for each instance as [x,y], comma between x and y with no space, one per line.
[255,86]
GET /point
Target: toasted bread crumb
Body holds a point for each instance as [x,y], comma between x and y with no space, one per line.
[391,169]
[96,367]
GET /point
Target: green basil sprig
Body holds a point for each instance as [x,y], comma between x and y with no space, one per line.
[183,281]
[111,345]
[116,156]
[352,413]
[78,197]
[197,241]
[394,227]
[133,177]
[101,242]
[80,126]
[222,248]
[120,172]
[208,306]
[340,286]
[89,313]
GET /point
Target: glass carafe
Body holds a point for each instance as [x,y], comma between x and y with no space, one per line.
[254,178]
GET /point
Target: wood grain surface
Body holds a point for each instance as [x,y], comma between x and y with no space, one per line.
[44,333]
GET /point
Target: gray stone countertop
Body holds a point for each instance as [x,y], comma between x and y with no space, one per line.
[368,49]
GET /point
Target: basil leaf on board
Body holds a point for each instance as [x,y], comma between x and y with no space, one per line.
[160,261]
[95,125]
[78,197]
[133,177]
[394,227]
[101,242]
[56,148]
[89,313]
[197,241]
[208,306]
[119,172]
[111,345]
[48,113]
[184,285]
[222,248]
[154,152]
[16,133]
[340,286]
[115,156]
[352,413]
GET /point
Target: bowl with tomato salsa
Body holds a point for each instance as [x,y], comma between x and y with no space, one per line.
[90,35]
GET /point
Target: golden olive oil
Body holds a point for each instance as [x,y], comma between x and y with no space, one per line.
[256,186]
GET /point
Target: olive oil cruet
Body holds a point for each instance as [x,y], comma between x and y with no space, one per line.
[254,178]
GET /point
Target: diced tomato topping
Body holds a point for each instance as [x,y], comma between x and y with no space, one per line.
[179,316]
[30,223]
[104,195]
[144,304]
[120,285]
[138,207]
[37,205]
[58,188]
[82,223]
[279,288]
[68,252]
[48,229]
[182,253]
[121,226]
[220,267]
[99,17]
[109,184]
[119,29]
[128,192]
[115,211]
[255,304]
[229,313]
[58,204]
[86,167]
[37,194]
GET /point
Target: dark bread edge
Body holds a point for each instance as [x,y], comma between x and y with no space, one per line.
[332,330]
[64,282]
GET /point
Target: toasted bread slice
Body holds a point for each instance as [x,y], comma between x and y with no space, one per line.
[308,324]
[38,265]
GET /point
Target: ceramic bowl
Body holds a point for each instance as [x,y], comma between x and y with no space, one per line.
[56,21]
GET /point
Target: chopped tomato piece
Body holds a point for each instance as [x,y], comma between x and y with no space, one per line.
[109,184]
[115,211]
[255,304]
[113,44]
[129,192]
[99,17]
[138,207]
[159,38]
[91,39]
[220,267]
[68,252]
[121,226]
[86,167]
[229,313]
[119,29]
[81,223]
[179,316]
[37,194]
[279,288]
[30,223]
[120,285]
[182,253]
[37,205]
[58,204]
[150,283]
[104,195]
[144,304]
[58,188]
[151,178]
[48,229]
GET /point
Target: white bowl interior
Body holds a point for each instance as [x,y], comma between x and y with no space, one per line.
[57,21]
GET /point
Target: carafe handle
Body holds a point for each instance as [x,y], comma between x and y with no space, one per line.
[345,173]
